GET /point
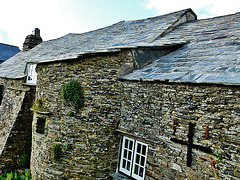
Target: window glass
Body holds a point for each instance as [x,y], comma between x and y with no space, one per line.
[126,156]
[133,158]
[31,74]
[139,161]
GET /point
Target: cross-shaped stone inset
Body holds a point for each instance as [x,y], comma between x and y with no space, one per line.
[190,144]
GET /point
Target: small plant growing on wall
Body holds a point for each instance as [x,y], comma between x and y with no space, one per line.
[57,151]
[38,106]
[70,113]
[72,93]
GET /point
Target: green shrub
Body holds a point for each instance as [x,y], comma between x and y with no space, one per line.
[23,160]
[8,174]
[72,92]
[28,175]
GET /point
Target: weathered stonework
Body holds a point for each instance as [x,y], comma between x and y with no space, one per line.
[152,112]
[88,140]
[15,121]
[148,112]
[153,80]
[32,40]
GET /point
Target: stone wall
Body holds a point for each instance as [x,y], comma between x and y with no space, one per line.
[15,122]
[152,112]
[88,141]
[156,113]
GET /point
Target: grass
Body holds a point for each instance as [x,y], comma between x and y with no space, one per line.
[8,174]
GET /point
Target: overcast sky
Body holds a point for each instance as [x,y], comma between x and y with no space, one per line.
[56,18]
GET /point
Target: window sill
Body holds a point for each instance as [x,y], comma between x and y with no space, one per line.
[28,84]
[47,113]
[118,176]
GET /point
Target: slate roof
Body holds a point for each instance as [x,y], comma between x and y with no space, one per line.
[211,56]
[7,51]
[125,34]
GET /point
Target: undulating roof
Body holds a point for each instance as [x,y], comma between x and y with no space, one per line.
[211,56]
[7,51]
[125,34]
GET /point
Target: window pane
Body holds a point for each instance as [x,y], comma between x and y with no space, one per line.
[129,155]
[31,73]
[141,172]
[126,143]
[142,161]
[125,153]
[128,165]
[136,169]
[124,164]
[144,150]
[139,148]
[137,158]
[131,145]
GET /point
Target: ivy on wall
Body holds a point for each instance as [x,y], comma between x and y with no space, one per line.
[73,93]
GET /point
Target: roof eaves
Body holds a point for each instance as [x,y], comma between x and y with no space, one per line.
[122,78]
[78,55]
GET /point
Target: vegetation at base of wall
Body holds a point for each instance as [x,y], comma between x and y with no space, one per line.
[23,160]
[10,174]
[57,151]
[72,92]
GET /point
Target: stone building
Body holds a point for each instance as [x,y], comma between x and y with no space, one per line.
[17,94]
[161,100]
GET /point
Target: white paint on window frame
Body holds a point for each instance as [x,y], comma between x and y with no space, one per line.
[133,158]
[31,73]
[140,159]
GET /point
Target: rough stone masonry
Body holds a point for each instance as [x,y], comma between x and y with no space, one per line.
[152,112]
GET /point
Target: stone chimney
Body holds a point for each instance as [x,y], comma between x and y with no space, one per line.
[32,40]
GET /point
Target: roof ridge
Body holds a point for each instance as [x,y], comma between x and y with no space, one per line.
[120,22]
[86,32]
[162,15]
[221,16]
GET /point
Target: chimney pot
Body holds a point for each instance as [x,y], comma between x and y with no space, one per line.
[36,32]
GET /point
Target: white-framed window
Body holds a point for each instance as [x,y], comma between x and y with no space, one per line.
[133,158]
[31,74]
